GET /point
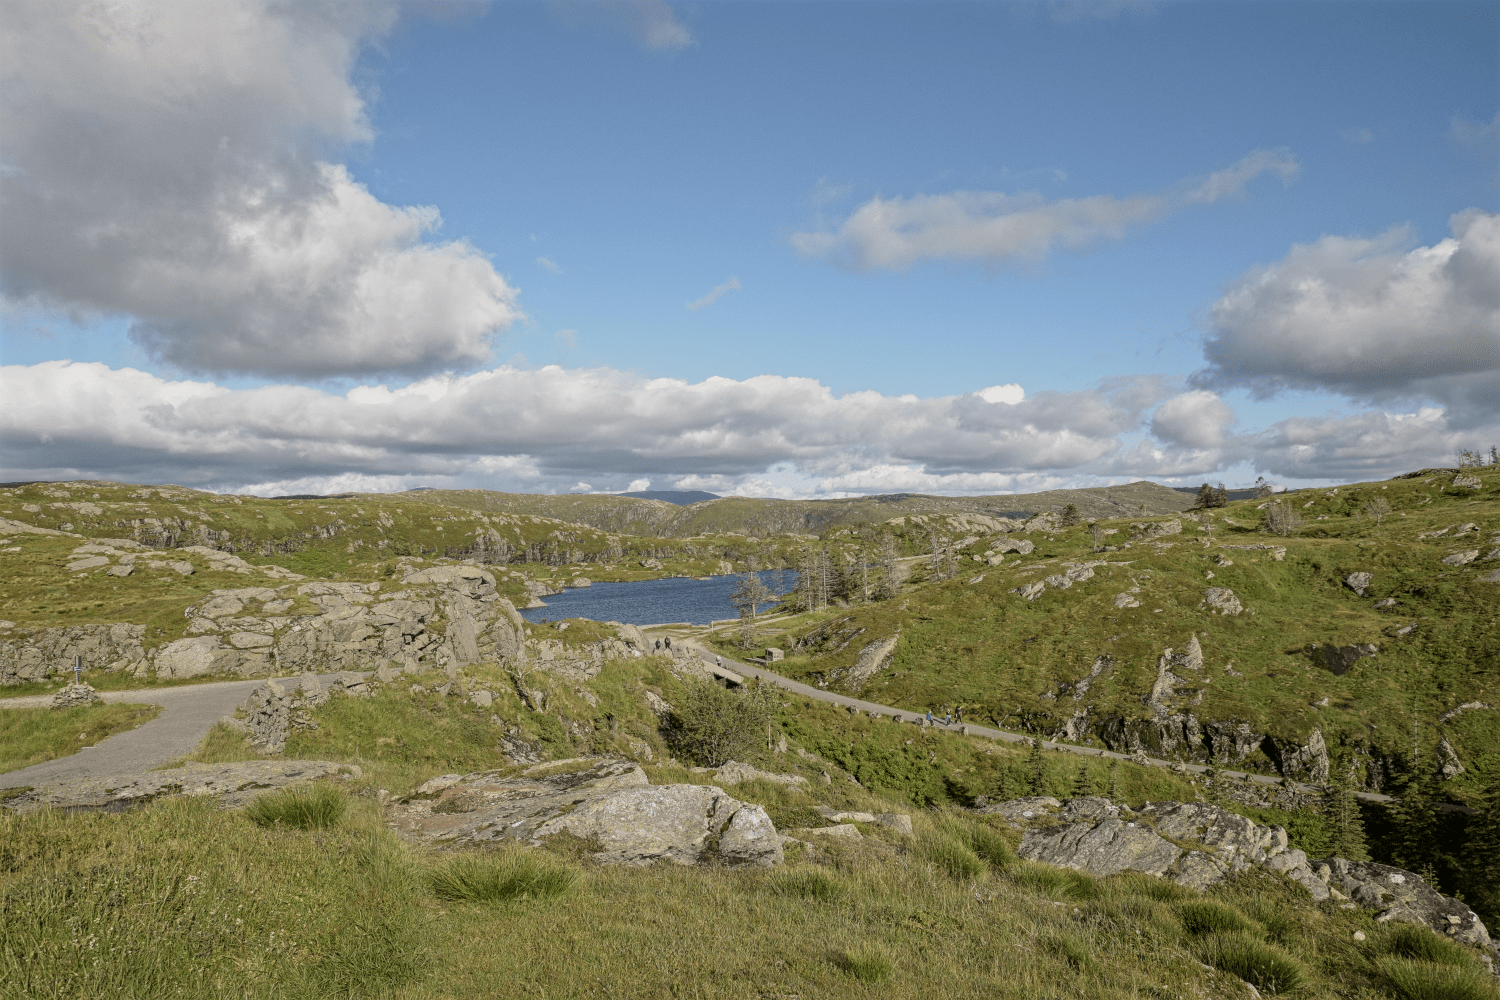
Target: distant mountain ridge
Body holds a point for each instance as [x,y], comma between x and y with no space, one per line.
[763,517]
[680,497]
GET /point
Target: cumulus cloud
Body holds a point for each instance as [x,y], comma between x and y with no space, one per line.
[547,428]
[164,162]
[1365,318]
[1363,446]
[714,295]
[1194,419]
[651,24]
[895,233]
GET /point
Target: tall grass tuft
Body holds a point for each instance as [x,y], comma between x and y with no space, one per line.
[954,859]
[316,808]
[1264,966]
[806,883]
[992,847]
[868,965]
[1417,980]
[1208,917]
[501,877]
[1419,943]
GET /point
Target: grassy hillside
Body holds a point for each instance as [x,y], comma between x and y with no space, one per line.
[1019,663]
[350,538]
[760,517]
[231,908]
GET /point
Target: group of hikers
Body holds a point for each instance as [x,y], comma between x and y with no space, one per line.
[667,640]
[950,718]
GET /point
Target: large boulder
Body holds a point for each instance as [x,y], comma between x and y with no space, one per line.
[1093,838]
[610,804]
[1404,897]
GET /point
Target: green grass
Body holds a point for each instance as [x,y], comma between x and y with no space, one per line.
[1209,917]
[806,883]
[1264,966]
[869,966]
[504,876]
[1413,979]
[34,735]
[318,807]
[1420,944]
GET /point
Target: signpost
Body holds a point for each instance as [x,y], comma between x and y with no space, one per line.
[77,669]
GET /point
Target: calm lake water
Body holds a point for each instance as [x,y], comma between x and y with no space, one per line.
[651,602]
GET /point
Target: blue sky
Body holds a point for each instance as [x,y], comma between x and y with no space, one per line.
[770,248]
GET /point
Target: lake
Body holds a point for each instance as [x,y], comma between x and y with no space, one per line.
[651,602]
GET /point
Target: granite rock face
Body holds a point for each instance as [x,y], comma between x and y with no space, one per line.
[1401,896]
[610,804]
[35,654]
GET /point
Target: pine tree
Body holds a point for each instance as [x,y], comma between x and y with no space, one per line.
[1034,771]
[1114,781]
[1082,783]
[1414,817]
[1070,515]
[1480,859]
[1341,810]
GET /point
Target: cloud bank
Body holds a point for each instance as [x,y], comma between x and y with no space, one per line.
[549,429]
[1371,321]
[895,233]
[166,162]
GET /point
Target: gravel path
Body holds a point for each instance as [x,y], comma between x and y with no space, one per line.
[188,713]
[969,729]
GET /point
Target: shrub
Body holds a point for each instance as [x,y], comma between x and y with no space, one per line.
[315,808]
[868,966]
[1417,980]
[1208,917]
[1419,943]
[713,725]
[511,876]
[1264,966]
[806,883]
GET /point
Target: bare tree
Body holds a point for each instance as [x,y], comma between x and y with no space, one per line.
[520,669]
[749,594]
[1282,519]
[1376,509]
[1262,488]
[1096,532]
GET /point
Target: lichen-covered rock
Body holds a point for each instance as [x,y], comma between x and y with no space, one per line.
[1359,583]
[1402,896]
[1100,847]
[872,659]
[234,784]
[610,804]
[34,654]
[1222,600]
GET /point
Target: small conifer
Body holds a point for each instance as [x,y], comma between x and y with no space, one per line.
[1034,771]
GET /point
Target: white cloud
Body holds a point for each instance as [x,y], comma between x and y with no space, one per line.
[1372,445]
[714,295]
[549,265]
[894,233]
[1010,393]
[546,428]
[1357,136]
[1194,419]
[637,486]
[651,24]
[1364,318]
[162,163]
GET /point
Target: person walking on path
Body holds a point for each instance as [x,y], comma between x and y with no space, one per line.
[929,716]
[958,714]
[658,645]
[668,641]
[718,661]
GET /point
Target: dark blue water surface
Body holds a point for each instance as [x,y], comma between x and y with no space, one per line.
[652,602]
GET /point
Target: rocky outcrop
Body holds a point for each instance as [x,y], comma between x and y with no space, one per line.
[37,653]
[1401,896]
[610,804]
[872,659]
[273,710]
[1359,583]
[1198,845]
[233,784]
[1222,600]
[1338,659]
